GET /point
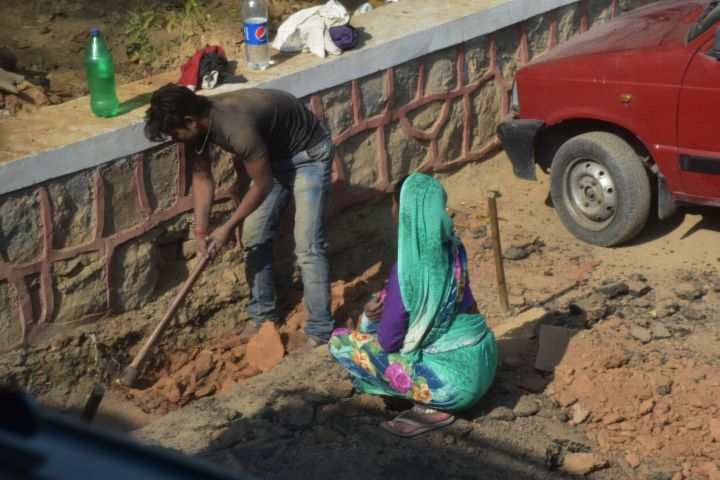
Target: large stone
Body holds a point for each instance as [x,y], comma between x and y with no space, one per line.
[507,49]
[161,171]
[441,71]
[552,344]
[592,306]
[425,117]
[359,160]
[568,22]
[79,286]
[337,103]
[265,350]
[122,210]
[598,12]
[538,33]
[135,274]
[477,59]
[451,136]
[485,114]
[11,330]
[582,463]
[527,406]
[73,210]
[20,227]
[405,154]
[373,93]
[405,82]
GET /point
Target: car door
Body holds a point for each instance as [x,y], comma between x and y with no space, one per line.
[698,127]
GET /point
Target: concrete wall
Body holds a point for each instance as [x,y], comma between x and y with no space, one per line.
[91,243]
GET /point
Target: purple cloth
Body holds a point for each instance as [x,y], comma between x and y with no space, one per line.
[394,321]
[344,36]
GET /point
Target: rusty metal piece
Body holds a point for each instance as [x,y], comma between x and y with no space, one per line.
[497,250]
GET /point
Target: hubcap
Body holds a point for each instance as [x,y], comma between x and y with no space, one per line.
[590,193]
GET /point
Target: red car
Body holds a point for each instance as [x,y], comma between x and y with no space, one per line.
[622,115]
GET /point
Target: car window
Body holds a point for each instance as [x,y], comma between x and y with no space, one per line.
[710,17]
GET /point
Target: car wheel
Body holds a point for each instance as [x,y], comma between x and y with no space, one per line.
[600,188]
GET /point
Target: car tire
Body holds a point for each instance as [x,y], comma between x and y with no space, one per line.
[600,188]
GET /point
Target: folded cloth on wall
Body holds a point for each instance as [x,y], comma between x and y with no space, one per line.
[308,29]
[206,62]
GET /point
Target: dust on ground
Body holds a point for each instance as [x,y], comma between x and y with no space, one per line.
[634,394]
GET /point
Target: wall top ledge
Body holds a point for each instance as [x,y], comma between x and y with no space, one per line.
[66,138]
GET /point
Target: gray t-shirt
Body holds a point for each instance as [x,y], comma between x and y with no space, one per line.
[254,122]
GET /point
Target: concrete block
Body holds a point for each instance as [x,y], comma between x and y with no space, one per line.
[553,342]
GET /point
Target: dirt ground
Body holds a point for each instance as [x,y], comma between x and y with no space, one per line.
[637,384]
[45,40]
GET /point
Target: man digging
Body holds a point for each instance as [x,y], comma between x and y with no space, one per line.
[286,152]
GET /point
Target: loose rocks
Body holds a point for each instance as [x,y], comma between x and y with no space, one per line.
[582,463]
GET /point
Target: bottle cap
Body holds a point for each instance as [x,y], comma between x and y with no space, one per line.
[94,32]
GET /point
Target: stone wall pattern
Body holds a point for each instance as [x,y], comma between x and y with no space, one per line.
[82,247]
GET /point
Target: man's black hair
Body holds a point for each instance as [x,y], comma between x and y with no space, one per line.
[169,106]
[398,187]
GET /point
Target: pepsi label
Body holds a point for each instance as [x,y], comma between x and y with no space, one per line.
[256,33]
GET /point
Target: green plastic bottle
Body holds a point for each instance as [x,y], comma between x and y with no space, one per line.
[100,73]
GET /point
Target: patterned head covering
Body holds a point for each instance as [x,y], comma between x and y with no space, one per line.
[425,260]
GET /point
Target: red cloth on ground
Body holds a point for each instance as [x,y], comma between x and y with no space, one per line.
[189,71]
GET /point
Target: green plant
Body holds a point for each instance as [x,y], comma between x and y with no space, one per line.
[138,26]
[190,21]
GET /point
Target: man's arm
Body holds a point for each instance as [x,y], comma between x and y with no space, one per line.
[261,184]
[203,193]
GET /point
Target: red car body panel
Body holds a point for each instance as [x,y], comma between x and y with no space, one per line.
[674,88]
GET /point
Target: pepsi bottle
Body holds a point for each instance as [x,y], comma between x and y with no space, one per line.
[255,19]
[100,73]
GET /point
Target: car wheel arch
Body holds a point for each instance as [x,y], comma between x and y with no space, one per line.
[552,137]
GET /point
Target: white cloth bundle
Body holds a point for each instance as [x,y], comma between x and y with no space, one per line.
[309,29]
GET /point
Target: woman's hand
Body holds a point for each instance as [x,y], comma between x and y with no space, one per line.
[374,308]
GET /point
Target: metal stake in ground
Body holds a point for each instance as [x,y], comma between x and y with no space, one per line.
[131,372]
[497,249]
[93,403]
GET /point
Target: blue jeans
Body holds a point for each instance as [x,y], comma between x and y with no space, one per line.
[306,177]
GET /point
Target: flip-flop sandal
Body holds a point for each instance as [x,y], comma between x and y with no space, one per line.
[417,421]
